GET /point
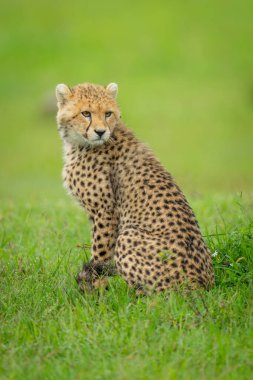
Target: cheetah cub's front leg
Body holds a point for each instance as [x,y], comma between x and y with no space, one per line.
[95,273]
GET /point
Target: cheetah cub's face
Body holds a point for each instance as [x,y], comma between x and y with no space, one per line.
[87,113]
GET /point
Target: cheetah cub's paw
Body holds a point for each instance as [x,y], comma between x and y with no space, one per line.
[95,276]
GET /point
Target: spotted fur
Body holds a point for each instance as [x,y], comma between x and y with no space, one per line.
[141,219]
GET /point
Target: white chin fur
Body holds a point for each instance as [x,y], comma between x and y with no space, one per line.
[96,142]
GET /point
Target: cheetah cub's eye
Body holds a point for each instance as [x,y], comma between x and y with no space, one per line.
[86,114]
[108,114]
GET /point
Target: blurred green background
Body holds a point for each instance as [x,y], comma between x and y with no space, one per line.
[185,75]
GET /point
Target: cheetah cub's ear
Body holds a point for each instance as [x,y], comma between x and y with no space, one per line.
[112,88]
[63,93]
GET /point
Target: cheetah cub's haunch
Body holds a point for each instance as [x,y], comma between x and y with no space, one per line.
[141,219]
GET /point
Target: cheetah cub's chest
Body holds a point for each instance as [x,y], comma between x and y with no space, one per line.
[86,176]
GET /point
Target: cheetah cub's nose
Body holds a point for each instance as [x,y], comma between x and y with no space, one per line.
[100,132]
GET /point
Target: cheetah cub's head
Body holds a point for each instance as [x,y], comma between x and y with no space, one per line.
[87,113]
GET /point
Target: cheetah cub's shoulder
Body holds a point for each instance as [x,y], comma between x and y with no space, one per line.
[141,220]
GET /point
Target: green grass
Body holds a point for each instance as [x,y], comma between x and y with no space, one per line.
[186,88]
[50,331]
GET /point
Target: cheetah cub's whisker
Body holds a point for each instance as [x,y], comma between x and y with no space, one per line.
[141,219]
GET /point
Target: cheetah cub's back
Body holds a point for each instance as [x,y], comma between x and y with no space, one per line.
[141,220]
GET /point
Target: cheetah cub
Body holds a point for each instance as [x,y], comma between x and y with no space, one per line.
[142,222]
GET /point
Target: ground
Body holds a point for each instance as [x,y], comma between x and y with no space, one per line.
[191,64]
[49,330]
